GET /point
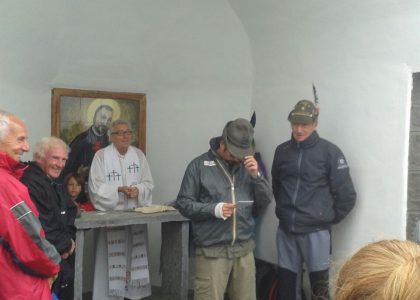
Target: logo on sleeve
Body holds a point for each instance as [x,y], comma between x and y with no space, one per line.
[342,163]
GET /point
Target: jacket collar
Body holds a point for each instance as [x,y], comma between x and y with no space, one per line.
[214,142]
[35,169]
[11,166]
[309,142]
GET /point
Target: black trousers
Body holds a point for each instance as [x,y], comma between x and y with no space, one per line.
[63,286]
[288,280]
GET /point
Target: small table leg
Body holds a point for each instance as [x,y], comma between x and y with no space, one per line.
[174,259]
[78,270]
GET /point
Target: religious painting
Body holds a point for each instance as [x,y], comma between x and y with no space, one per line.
[81,118]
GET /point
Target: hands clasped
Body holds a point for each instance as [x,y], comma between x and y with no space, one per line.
[129,191]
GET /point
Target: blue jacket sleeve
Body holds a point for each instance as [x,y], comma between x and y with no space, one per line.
[341,186]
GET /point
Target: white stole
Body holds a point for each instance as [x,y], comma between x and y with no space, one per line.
[124,171]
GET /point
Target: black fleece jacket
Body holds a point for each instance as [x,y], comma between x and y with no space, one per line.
[57,211]
[311,184]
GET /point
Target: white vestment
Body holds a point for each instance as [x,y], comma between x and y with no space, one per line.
[108,171]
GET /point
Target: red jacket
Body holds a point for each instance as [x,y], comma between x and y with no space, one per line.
[27,259]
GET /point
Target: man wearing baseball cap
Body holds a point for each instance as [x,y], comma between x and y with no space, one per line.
[218,192]
[313,191]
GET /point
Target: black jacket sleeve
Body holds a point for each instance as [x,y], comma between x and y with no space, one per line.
[188,202]
[341,186]
[275,174]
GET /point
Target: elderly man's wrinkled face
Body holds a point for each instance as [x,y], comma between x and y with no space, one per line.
[15,143]
[102,120]
[301,132]
[121,137]
[53,162]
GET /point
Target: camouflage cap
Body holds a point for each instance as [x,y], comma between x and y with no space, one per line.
[304,112]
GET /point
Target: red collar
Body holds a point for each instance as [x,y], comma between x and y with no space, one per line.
[11,166]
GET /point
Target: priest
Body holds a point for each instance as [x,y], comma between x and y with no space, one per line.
[120,179]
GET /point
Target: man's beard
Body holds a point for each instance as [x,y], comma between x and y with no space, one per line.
[100,130]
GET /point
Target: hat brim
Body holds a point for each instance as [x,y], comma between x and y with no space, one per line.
[240,152]
[301,119]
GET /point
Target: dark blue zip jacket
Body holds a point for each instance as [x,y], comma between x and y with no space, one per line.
[311,184]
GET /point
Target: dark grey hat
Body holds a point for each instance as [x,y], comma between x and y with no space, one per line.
[238,136]
[304,112]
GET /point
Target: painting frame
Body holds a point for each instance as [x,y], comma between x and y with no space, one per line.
[61,97]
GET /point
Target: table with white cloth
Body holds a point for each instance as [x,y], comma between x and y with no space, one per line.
[174,250]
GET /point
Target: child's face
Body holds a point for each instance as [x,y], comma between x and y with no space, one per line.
[73,187]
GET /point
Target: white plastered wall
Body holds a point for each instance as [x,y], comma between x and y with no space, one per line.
[191,58]
[202,63]
[360,55]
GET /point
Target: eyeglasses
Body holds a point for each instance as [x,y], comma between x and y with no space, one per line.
[122,133]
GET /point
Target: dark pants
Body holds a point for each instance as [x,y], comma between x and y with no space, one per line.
[296,250]
[288,280]
[63,286]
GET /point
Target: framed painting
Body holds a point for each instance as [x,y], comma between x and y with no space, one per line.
[81,118]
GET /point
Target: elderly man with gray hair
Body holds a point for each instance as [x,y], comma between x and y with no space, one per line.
[57,212]
[120,179]
[28,262]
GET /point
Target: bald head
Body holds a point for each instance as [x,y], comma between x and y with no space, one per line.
[13,136]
